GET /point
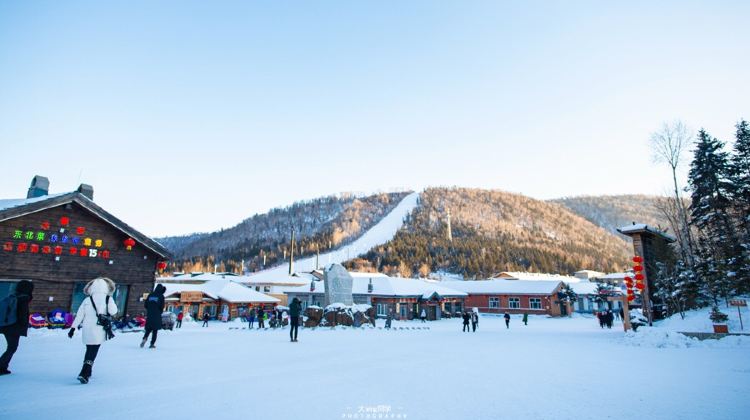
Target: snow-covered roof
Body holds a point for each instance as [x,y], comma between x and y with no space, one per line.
[272,277]
[383,285]
[615,276]
[584,288]
[520,275]
[15,202]
[223,289]
[642,227]
[504,286]
[197,277]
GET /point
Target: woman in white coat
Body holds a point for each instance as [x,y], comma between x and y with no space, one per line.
[98,293]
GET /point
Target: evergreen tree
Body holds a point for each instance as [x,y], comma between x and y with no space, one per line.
[711,209]
[739,172]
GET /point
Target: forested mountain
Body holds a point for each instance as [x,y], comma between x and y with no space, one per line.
[323,223]
[495,231]
[613,211]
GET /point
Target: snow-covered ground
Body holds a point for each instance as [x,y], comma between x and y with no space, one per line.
[565,368]
[382,232]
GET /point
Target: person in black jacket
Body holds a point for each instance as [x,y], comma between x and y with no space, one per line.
[14,332]
[507,320]
[154,307]
[294,311]
[466,318]
[261,321]
[206,317]
[474,321]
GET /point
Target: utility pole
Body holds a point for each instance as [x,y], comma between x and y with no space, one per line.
[291,255]
[450,232]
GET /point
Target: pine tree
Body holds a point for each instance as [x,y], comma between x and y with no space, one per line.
[739,173]
[711,209]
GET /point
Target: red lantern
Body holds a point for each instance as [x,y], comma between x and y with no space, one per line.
[34,248]
[638,268]
[637,259]
[80,230]
[73,250]
[58,250]
[631,298]
[129,243]
[64,221]
[628,278]
[22,247]
[161,265]
[83,252]
[46,249]
[639,277]
[8,246]
[639,286]
[45,225]
[104,254]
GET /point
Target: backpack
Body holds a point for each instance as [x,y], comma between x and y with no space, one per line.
[105,320]
[8,310]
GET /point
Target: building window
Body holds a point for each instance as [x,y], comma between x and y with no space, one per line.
[535,303]
[266,289]
[382,309]
[6,288]
[494,303]
[448,307]
[514,303]
[457,307]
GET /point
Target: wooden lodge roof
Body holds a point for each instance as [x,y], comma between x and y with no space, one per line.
[14,208]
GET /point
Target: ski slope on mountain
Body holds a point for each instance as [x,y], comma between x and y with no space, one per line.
[379,234]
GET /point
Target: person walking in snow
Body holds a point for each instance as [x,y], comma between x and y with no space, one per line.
[179,319]
[261,316]
[507,320]
[154,305]
[600,317]
[609,318]
[474,320]
[466,318]
[525,318]
[99,302]
[251,319]
[294,313]
[14,331]
[423,315]
[206,317]
[388,320]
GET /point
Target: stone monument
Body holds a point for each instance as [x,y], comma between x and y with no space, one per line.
[338,284]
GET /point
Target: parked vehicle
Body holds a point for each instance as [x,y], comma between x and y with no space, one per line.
[168,320]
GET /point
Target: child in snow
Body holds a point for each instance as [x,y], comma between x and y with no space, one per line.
[13,332]
[179,320]
[99,302]
[507,320]
[423,315]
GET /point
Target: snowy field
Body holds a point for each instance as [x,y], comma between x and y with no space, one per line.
[551,369]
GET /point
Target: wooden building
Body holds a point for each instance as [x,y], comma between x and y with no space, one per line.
[654,246]
[62,241]
[535,297]
[403,298]
[215,297]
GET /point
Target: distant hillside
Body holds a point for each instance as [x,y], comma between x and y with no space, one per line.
[613,211]
[323,223]
[495,231]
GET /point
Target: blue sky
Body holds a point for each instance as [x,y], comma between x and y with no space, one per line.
[191,116]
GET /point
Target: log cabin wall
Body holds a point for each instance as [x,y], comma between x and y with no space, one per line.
[56,277]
